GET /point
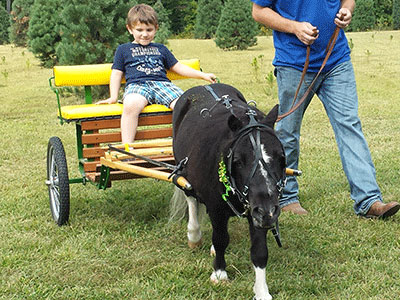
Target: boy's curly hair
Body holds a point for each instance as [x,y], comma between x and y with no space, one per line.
[142,13]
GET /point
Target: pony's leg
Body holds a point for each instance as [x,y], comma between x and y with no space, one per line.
[260,286]
[212,250]
[220,239]
[194,232]
[259,257]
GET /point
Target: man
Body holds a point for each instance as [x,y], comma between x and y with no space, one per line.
[297,24]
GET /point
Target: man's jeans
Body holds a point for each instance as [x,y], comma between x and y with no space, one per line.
[337,91]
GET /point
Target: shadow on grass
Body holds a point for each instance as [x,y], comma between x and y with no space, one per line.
[135,201]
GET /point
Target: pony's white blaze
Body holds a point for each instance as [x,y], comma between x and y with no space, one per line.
[264,172]
[260,286]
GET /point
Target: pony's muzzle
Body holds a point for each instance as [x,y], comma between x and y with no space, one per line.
[265,217]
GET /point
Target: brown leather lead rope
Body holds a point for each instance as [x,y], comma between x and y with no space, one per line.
[329,50]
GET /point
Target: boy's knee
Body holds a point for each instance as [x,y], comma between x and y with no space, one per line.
[134,103]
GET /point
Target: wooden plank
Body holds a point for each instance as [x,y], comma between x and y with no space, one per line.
[167,151]
[94,166]
[155,119]
[114,137]
[99,151]
[109,137]
[101,124]
[115,123]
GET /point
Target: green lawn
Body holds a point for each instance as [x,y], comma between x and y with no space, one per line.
[119,244]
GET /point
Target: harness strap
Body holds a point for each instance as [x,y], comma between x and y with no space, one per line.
[210,89]
[226,100]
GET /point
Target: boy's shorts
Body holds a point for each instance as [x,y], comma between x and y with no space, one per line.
[155,92]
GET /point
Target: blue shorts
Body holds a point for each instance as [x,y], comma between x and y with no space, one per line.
[155,92]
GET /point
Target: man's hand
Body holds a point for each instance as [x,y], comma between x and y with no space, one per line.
[306,32]
[343,17]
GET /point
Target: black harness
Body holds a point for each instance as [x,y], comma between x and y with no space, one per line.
[252,131]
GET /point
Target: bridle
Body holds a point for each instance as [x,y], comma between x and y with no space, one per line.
[253,132]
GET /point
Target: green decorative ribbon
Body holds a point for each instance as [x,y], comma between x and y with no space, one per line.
[224,179]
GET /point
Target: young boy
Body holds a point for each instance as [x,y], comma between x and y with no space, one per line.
[144,65]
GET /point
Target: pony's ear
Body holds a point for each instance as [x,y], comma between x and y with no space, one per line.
[234,123]
[270,119]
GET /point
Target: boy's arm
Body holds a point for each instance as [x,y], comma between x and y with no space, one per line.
[115,84]
[187,71]
[304,31]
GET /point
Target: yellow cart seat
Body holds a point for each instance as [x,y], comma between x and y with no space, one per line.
[85,112]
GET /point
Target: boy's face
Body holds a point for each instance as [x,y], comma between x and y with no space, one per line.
[143,34]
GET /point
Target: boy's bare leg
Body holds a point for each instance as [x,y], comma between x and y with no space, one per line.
[133,105]
[172,104]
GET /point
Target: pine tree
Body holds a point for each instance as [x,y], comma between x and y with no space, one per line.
[207,18]
[43,32]
[92,30]
[364,16]
[20,21]
[164,30]
[236,30]
[396,14]
[4,26]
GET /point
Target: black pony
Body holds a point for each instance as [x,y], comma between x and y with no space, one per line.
[236,166]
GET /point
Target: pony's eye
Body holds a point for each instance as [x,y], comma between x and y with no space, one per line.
[239,161]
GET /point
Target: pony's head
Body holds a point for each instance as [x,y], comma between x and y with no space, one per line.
[256,165]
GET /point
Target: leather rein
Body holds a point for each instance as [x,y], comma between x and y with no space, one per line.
[329,49]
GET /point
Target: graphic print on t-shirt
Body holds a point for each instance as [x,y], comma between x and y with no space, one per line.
[147,60]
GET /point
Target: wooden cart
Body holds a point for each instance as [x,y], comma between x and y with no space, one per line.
[97,126]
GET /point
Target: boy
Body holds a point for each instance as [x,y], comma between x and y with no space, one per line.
[144,65]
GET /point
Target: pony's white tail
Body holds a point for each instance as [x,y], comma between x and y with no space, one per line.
[179,207]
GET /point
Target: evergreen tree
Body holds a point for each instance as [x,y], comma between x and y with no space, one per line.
[236,30]
[164,24]
[92,30]
[179,9]
[207,18]
[20,21]
[190,19]
[4,26]
[364,16]
[383,11]
[396,14]
[43,30]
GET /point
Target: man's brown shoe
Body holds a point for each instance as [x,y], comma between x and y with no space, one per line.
[295,208]
[382,210]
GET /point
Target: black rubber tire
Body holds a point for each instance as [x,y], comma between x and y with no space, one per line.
[58,181]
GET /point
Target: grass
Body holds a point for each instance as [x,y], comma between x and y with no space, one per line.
[119,244]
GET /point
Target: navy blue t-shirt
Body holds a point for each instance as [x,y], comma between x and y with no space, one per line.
[290,51]
[143,63]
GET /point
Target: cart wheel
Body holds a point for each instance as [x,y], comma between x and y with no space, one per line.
[58,181]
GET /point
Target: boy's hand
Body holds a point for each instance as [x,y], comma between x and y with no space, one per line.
[106,101]
[210,77]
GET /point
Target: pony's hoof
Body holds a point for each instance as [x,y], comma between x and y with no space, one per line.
[267,297]
[219,276]
[193,245]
